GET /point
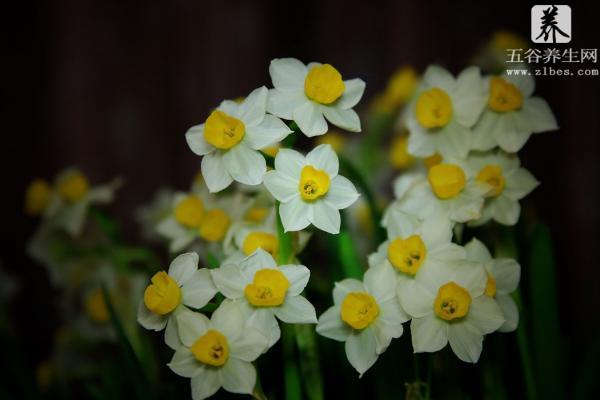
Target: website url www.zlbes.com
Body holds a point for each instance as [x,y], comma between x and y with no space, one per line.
[549,71]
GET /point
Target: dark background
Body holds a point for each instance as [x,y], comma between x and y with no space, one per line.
[112,86]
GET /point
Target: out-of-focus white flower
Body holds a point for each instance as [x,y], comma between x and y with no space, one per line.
[231,138]
[448,304]
[445,109]
[151,214]
[309,94]
[503,279]
[218,352]
[267,291]
[168,294]
[365,315]
[310,189]
[511,115]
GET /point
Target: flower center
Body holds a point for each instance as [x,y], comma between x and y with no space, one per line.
[314,183]
[324,84]
[453,301]
[163,295]
[211,348]
[73,187]
[446,180]
[359,309]
[268,288]
[434,108]
[37,197]
[223,131]
[401,86]
[215,225]
[260,240]
[407,255]
[504,96]
[95,307]
[256,214]
[490,286]
[399,155]
[189,211]
[492,175]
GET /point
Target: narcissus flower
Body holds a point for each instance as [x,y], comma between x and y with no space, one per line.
[168,294]
[448,304]
[366,315]
[37,197]
[503,279]
[218,352]
[231,138]
[310,189]
[512,115]
[508,184]
[445,109]
[309,94]
[267,291]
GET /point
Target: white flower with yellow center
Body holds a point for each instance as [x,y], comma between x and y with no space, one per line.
[445,109]
[508,184]
[445,191]
[310,189]
[66,206]
[231,138]
[168,294]
[414,245]
[366,315]
[218,352]
[448,304]
[502,279]
[309,94]
[512,115]
[267,291]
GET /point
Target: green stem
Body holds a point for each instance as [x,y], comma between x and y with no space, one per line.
[526,361]
[310,365]
[349,258]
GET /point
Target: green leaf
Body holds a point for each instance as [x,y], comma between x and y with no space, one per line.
[309,361]
[291,375]
[348,256]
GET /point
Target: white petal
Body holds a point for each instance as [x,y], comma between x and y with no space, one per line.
[294,214]
[454,140]
[341,289]
[206,384]
[184,363]
[436,232]
[381,283]
[149,320]
[230,107]
[199,289]
[214,172]
[384,333]
[324,158]
[331,325]
[172,332]
[238,376]
[485,314]
[507,273]
[392,314]
[466,341]
[195,140]
[415,299]
[229,319]
[361,350]
[260,259]
[183,267]
[345,119]
[538,112]
[352,94]
[287,73]
[325,217]
[296,310]
[509,135]
[191,326]
[290,163]
[252,110]
[269,132]
[476,251]
[469,98]
[421,143]
[428,334]
[245,165]
[505,210]
[483,131]
[251,344]
[509,311]
[282,103]
[281,186]
[525,83]
[519,183]
[310,119]
[229,280]
[298,276]
[264,320]
[436,76]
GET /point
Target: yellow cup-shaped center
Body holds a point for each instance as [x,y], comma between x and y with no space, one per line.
[504,96]
[359,309]
[214,226]
[490,286]
[211,348]
[399,156]
[260,240]
[268,288]
[256,214]
[37,197]
[446,180]
[314,183]
[324,84]
[96,308]
[163,295]
[223,131]
[401,86]
[73,186]
[452,301]
[434,108]
[189,211]
[492,175]
[407,255]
